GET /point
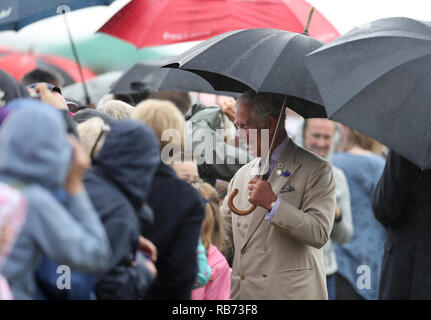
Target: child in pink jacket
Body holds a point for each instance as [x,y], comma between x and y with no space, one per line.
[218,287]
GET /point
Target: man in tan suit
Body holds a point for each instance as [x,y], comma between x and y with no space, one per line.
[277,247]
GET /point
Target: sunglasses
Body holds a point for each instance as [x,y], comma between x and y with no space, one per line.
[50,86]
[105,128]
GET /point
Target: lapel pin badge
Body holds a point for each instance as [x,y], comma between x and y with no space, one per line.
[285,173]
[280,172]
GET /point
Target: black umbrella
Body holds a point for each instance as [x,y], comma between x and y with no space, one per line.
[265,60]
[149,76]
[377,79]
[10,89]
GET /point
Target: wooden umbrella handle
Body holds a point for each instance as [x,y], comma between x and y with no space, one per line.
[234,209]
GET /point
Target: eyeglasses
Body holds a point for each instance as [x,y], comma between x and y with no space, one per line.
[105,128]
[195,181]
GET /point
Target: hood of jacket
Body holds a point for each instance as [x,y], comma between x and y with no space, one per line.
[34,146]
[129,158]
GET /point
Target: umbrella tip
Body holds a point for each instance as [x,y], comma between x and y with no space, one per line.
[310,15]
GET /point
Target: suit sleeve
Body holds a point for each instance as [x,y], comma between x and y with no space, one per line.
[312,223]
[392,190]
[226,215]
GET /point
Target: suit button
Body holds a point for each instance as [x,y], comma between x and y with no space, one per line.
[238,224]
[243,250]
[265,248]
[264,275]
[242,277]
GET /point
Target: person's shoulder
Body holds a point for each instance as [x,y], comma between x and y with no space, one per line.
[182,188]
[377,163]
[343,160]
[377,159]
[308,158]
[96,183]
[37,196]
[338,172]
[216,258]
[41,205]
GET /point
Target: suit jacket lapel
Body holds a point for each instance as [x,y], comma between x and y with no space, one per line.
[287,158]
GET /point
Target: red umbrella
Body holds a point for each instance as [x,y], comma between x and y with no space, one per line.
[149,23]
[19,63]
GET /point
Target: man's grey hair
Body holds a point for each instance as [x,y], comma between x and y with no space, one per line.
[264,105]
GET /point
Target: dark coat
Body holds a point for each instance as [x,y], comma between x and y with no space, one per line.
[178,215]
[118,185]
[402,203]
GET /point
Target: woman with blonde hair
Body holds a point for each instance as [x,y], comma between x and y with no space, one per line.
[167,122]
[362,165]
[92,133]
[178,207]
[218,287]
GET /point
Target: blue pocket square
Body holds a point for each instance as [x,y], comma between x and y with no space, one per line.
[287,188]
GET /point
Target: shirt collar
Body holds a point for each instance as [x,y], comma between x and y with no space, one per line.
[280,149]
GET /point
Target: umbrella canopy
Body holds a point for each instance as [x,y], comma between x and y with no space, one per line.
[149,76]
[97,87]
[377,79]
[18,64]
[150,23]
[265,60]
[16,14]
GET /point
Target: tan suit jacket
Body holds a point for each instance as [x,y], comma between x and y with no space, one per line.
[283,259]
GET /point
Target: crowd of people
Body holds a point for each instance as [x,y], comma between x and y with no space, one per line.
[89,209]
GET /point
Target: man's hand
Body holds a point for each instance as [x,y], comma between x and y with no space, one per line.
[260,193]
[228,108]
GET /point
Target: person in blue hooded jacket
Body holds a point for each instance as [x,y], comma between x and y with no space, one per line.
[119,184]
[38,157]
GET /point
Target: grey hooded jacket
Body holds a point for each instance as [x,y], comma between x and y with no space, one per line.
[342,231]
[35,155]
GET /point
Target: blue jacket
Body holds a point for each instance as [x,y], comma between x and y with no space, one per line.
[178,215]
[359,260]
[35,154]
[118,184]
